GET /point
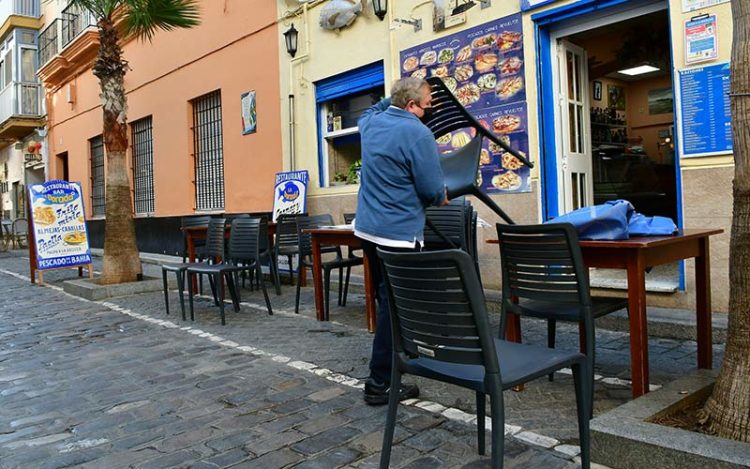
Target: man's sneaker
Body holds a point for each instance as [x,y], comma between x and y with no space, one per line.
[377,393]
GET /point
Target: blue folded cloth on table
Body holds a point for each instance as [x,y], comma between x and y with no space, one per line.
[615,219]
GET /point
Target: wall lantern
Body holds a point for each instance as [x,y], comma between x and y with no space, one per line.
[463,7]
[290,37]
[380,7]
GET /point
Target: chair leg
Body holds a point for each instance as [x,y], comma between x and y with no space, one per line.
[498,426]
[346,285]
[234,293]
[291,273]
[299,282]
[166,289]
[481,403]
[273,262]
[551,330]
[220,288]
[341,284]
[190,277]
[214,292]
[326,288]
[390,422]
[583,404]
[181,288]
[590,352]
[263,287]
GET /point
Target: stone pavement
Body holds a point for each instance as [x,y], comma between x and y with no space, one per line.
[119,384]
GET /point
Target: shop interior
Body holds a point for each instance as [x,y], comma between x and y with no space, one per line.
[631,113]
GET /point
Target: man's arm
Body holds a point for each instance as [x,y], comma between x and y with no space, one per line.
[427,173]
[371,111]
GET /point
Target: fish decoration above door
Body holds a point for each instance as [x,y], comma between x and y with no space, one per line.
[339,14]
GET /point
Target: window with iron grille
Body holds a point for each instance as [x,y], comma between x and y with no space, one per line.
[208,148]
[96,149]
[143,165]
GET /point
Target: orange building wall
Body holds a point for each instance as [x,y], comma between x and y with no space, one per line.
[235,49]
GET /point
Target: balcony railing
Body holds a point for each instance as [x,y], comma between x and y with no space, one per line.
[62,31]
[20,7]
[20,100]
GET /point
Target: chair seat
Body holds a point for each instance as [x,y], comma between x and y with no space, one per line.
[180,267]
[601,306]
[288,250]
[521,364]
[218,268]
[336,263]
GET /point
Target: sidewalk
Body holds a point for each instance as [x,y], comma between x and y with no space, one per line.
[117,383]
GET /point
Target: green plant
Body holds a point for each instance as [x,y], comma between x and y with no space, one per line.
[339,177]
[353,174]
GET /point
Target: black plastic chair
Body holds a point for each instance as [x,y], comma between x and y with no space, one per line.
[460,167]
[244,255]
[21,232]
[441,331]
[305,258]
[214,248]
[351,253]
[544,276]
[287,242]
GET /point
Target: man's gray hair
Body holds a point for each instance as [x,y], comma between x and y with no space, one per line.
[407,89]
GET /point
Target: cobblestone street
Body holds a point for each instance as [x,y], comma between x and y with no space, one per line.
[118,383]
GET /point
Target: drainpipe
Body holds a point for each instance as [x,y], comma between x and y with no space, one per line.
[292,63]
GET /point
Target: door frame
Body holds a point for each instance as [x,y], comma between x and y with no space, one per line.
[554,24]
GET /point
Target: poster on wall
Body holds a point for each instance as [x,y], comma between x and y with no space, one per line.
[249,115]
[290,193]
[484,68]
[701,41]
[58,225]
[705,117]
[692,5]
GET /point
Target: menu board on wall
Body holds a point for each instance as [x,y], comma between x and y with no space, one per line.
[59,226]
[484,68]
[704,111]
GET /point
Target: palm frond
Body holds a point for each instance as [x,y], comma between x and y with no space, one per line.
[146,17]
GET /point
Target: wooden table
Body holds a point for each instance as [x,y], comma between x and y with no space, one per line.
[636,255]
[338,237]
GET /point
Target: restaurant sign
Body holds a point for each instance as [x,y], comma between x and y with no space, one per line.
[484,68]
[58,224]
[290,193]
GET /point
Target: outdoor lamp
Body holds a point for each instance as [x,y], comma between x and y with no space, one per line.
[290,37]
[463,7]
[380,7]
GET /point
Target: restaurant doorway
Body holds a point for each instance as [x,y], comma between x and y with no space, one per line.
[613,114]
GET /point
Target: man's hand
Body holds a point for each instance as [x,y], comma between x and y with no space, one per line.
[445,199]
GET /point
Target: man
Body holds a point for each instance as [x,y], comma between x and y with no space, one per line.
[400,176]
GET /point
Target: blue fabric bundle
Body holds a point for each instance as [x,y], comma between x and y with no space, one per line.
[615,219]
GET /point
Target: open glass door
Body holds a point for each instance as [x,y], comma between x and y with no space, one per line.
[575,155]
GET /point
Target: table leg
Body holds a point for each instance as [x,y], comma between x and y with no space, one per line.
[638,327]
[369,296]
[703,305]
[317,279]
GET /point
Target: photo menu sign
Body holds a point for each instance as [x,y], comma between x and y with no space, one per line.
[59,226]
[484,68]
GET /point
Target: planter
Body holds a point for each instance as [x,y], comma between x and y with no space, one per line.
[92,290]
[625,438]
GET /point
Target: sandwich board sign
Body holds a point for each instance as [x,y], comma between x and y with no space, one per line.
[290,193]
[58,226]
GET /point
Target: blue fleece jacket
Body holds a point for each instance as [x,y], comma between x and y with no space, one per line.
[400,175]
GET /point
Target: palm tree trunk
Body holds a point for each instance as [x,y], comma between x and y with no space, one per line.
[727,411]
[121,261]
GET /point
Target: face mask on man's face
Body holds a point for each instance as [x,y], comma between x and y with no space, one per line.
[426,114]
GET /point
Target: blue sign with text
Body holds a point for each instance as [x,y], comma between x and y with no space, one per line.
[705,114]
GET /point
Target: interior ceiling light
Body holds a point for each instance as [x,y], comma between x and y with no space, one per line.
[639,70]
[463,7]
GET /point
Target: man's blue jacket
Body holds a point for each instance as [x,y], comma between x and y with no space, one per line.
[400,175]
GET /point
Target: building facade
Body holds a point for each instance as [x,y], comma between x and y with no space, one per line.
[616,99]
[190,151]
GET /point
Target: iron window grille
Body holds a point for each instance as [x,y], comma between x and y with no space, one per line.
[96,148]
[208,151]
[143,165]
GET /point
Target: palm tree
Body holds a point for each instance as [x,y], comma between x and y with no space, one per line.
[727,411]
[141,19]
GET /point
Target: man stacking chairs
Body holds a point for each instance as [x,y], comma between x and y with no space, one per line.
[243,255]
[441,331]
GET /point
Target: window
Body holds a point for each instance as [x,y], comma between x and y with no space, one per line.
[208,148]
[143,165]
[96,149]
[8,77]
[341,100]
[28,64]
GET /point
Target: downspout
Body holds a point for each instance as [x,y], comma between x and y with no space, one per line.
[292,63]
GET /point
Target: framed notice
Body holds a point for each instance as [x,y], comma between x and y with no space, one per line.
[692,5]
[249,113]
[290,193]
[701,41]
[58,223]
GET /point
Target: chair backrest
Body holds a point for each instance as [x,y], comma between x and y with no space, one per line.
[437,308]
[349,218]
[307,222]
[215,237]
[286,230]
[193,222]
[20,226]
[450,221]
[542,262]
[246,238]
